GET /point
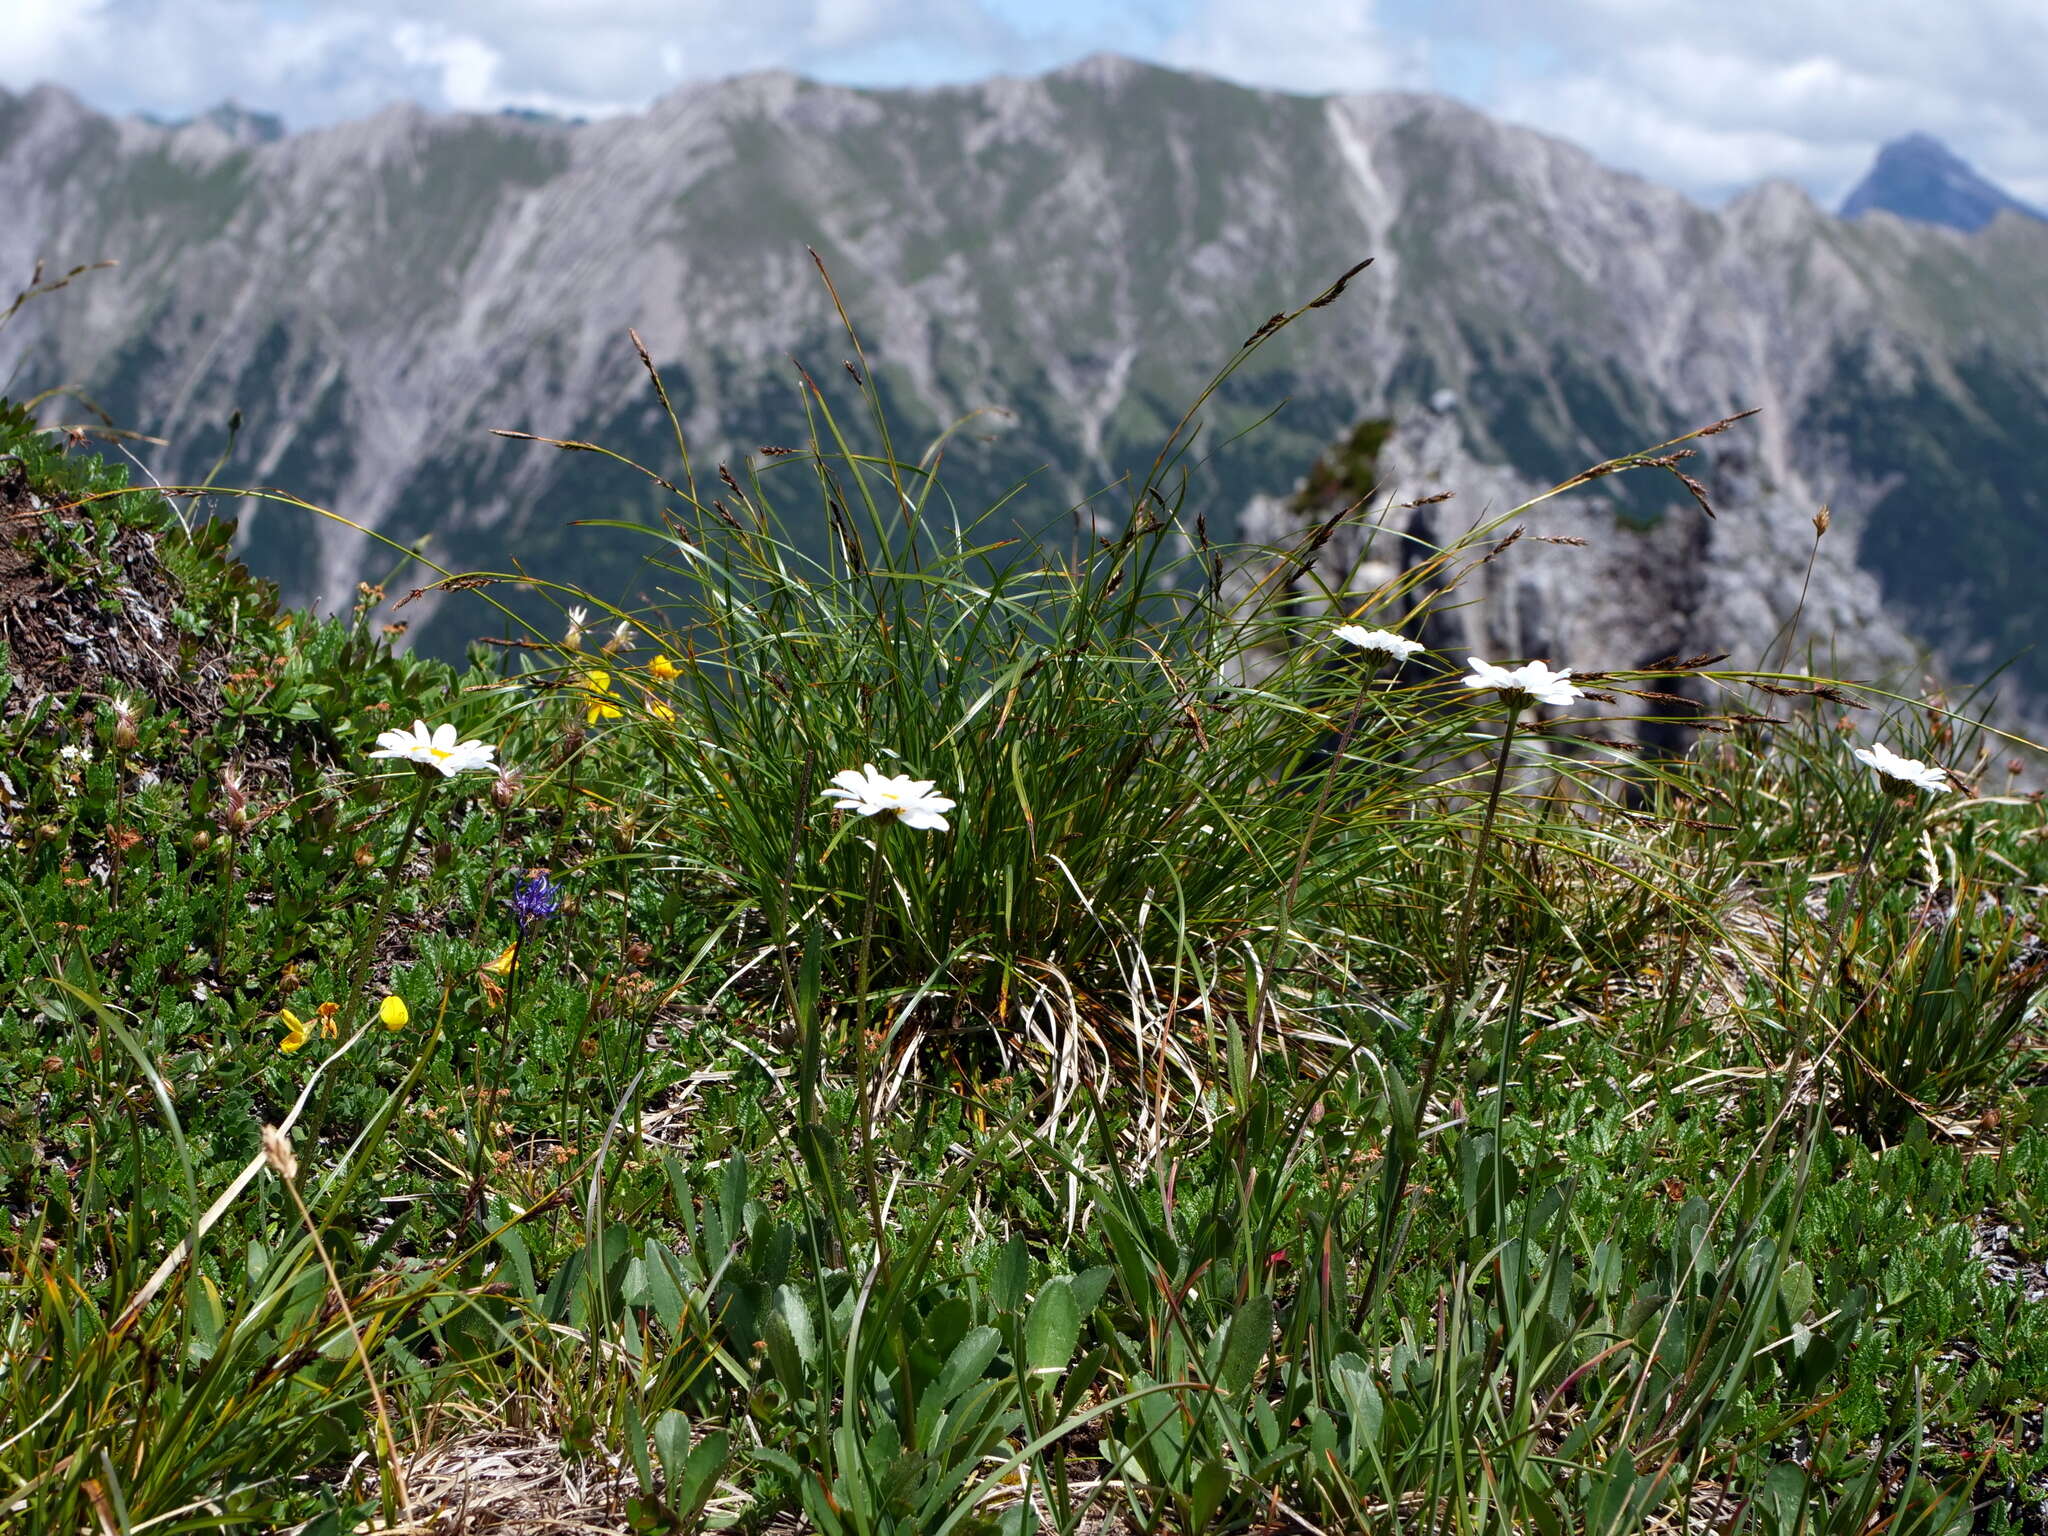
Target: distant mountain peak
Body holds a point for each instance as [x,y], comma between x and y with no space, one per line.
[1919,177]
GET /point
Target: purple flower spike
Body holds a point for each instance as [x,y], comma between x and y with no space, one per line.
[536,898]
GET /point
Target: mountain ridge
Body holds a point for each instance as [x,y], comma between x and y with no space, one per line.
[1080,249]
[1919,177]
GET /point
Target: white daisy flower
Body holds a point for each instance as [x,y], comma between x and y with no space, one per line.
[1381,642]
[1906,770]
[435,749]
[1532,682]
[867,792]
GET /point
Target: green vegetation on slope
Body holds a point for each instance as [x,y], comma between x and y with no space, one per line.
[1249,1111]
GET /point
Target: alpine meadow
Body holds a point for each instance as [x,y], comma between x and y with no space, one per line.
[1401,894]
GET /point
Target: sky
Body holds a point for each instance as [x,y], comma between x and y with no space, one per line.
[1707,97]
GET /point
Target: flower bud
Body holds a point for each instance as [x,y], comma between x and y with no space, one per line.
[505,788]
[235,809]
[125,732]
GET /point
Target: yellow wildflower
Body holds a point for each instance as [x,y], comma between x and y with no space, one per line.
[394,1013]
[295,1032]
[502,966]
[330,1027]
[599,685]
[662,713]
[664,670]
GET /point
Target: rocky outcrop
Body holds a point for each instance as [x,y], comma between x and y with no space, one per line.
[1573,578]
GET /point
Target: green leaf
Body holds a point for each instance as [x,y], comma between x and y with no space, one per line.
[636,1446]
[786,1328]
[1795,1289]
[1780,1496]
[1351,1378]
[970,1357]
[732,1196]
[1251,1334]
[1012,1277]
[664,1295]
[672,1441]
[700,1473]
[1090,1286]
[1052,1329]
[1212,1482]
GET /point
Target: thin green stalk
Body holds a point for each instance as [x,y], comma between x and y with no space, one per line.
[503,841]
[1407,1138]
[115,852]
[489,1083]
[227,906]
[865,1110]
[1461,956]
[366,947]
[803,1010]
[1268,978]
[864,1101]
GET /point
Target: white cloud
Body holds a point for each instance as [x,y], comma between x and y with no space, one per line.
[332,59]
[1300,45]
[1713,100]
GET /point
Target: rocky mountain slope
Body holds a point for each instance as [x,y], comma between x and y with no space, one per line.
[1079,251]
[1919,177]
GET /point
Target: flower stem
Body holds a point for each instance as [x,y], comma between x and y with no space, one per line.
[359,970]
[227,906]
[366,947]
[864,1097]
[1406,1140]
[1269,977]
[114,848]
[864,1104]
[492,1081]
[1461,956]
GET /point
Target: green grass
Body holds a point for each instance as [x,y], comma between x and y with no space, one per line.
[1240,1118]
